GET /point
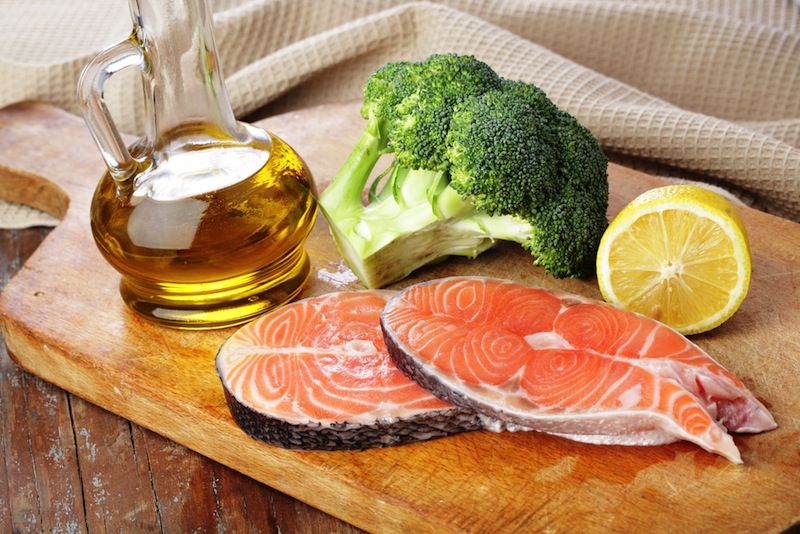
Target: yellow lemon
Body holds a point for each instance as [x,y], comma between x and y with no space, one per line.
[678,254]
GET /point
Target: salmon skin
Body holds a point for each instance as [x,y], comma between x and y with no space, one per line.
[566,365]
[316,375]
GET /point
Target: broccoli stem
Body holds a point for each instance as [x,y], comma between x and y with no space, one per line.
[398,233]
[409,251]
[347,185]
[504,227]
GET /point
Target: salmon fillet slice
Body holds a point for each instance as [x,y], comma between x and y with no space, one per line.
[566,365]
[316,374]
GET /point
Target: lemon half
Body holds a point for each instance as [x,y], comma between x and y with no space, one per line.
[678,254]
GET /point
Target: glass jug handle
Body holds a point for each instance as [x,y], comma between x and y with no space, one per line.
[124,54]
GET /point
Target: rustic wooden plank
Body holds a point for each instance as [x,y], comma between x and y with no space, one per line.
[58,483]
[242,504]
[48,421]
[116,481]
[16,246]
[292,515]
[82,337]
[23,499]
[6,373]
[22,509]
[5,504]
[40,466]
[183,483]
[196,494]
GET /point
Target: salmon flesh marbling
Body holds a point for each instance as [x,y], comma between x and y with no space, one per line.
[566,365]
[316,374]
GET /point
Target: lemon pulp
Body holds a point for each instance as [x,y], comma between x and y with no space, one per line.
[678,254]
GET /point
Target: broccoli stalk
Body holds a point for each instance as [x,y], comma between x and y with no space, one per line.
[476,159]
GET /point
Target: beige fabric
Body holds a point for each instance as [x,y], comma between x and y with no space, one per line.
[15,216]
[708,87]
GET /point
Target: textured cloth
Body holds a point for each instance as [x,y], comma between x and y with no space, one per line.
[707,88]
[14,216]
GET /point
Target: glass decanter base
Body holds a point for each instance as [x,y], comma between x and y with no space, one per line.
[222,303]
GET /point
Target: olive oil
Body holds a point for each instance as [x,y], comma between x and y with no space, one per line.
[200,240]
[203,216]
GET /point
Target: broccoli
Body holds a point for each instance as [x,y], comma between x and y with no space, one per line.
[475,159]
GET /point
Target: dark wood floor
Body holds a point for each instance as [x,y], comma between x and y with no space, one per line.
[69,466]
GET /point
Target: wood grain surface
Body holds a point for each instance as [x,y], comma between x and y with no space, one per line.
[68,466]
[63,321]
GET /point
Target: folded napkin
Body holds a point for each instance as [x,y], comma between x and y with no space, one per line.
[688,88]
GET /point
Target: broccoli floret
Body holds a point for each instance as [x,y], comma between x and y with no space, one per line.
[384,90]
[476,159]
[569,226]
[503,153]
[515,153]
[423,117]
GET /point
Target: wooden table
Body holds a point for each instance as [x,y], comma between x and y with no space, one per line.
[72,465]
[69,466]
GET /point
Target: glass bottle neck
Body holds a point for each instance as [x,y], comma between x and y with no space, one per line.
[185,85]
[193,145]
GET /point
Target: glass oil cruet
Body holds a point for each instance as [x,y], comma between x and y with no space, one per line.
[204,217]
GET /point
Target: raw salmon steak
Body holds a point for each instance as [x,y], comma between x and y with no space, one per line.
[566,365]
[316,374]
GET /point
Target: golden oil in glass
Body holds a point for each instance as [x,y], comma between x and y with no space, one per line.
[199,246]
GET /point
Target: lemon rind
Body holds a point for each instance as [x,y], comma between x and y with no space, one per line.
[728,222]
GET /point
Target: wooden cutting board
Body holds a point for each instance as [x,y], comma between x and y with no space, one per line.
[63,320]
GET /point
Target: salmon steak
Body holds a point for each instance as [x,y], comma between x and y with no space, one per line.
[566,365]
[316,375]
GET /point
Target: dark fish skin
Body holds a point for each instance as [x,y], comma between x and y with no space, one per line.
[346,436]
[350,436]
[414,371]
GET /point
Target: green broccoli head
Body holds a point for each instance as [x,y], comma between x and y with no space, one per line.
[503,152]
[582,158]
[568,228]
[532,95]
[566,234]
[384,90]
[423,117]
[513,152]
